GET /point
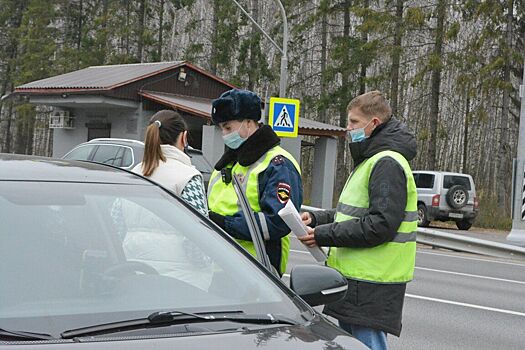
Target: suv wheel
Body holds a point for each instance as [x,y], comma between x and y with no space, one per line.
[464,224]
[457,196]
[422,216]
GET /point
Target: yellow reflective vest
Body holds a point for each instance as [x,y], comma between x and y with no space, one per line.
[222,198]
[391,262]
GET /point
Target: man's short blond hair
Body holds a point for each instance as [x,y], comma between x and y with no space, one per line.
[372,104]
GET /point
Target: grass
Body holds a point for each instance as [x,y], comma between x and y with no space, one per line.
[493,216]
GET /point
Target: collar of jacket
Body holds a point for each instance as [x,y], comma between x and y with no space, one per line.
[250,151]
[173,152]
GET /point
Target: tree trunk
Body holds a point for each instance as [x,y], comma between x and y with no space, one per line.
[161,30]
[396,57]
[140,30]
[464,167]
[436,69]
[254,45]
[504,148]
[342,168]
[364,65]
[214,39]
[324,52]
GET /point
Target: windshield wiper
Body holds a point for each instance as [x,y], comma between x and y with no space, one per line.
[176,317]
[23,335]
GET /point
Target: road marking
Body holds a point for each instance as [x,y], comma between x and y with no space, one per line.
[443,301]
[470,258]
[448,255]
[470,275]
[487,308]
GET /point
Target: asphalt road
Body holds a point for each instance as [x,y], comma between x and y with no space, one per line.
[457,301]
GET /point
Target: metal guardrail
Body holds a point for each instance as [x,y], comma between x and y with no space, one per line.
[462,243]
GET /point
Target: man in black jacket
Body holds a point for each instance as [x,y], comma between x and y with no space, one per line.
[371,233]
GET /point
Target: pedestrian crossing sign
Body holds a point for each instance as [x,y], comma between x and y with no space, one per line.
[284,116]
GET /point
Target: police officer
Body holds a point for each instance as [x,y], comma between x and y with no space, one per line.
[269,175]
[372,232]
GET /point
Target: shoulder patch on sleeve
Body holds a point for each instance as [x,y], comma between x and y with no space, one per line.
[277,160]
[283,192]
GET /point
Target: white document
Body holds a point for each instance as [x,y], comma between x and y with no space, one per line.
[293,219]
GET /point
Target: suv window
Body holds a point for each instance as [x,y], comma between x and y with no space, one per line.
[108,154]
[424,180]
[452,180]
[80,153]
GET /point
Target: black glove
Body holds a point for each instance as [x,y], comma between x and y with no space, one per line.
[218,219]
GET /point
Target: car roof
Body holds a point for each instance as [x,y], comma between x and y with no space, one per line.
[15,167]
[116,141]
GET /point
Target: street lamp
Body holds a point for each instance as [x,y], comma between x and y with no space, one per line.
[283,50]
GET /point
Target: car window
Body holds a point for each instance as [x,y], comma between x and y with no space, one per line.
[96,253]
[127,158]
[452,180]
[424,180]
[80,153]
[108,154]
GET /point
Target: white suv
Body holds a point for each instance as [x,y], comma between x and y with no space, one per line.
[446,196]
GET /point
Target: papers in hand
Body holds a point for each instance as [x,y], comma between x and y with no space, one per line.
[293,220]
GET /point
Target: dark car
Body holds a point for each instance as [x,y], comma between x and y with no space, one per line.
[98,255]
[127,153]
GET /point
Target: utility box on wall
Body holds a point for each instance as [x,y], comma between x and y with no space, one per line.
[61,119]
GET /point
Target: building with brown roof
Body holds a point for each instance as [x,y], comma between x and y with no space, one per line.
[118,100]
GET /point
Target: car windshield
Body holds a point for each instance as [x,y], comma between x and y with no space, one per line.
[79,254]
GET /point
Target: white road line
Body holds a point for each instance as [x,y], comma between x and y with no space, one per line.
[469,258]
[450,302]
[470,275]
[447,255]
[447,272]
[503,311]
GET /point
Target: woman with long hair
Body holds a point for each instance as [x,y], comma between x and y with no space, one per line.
[166,163]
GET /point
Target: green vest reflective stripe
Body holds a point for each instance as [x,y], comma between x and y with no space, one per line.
[223,200]
[391,262]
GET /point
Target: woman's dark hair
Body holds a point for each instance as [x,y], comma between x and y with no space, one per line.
[164,129]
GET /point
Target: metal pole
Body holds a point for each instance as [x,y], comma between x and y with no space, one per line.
[284,58]
[517,234]
[284,50]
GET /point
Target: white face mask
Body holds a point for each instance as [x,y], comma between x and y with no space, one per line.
[234,140]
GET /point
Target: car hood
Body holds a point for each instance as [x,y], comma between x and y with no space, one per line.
[318,334]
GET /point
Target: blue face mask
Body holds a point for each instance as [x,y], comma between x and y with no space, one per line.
[233,140]
[357,135]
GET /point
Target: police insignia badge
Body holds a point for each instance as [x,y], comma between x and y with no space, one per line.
[283,192]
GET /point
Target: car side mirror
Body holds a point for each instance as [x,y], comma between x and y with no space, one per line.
[318,285]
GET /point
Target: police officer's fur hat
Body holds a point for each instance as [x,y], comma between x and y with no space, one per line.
[236,105]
